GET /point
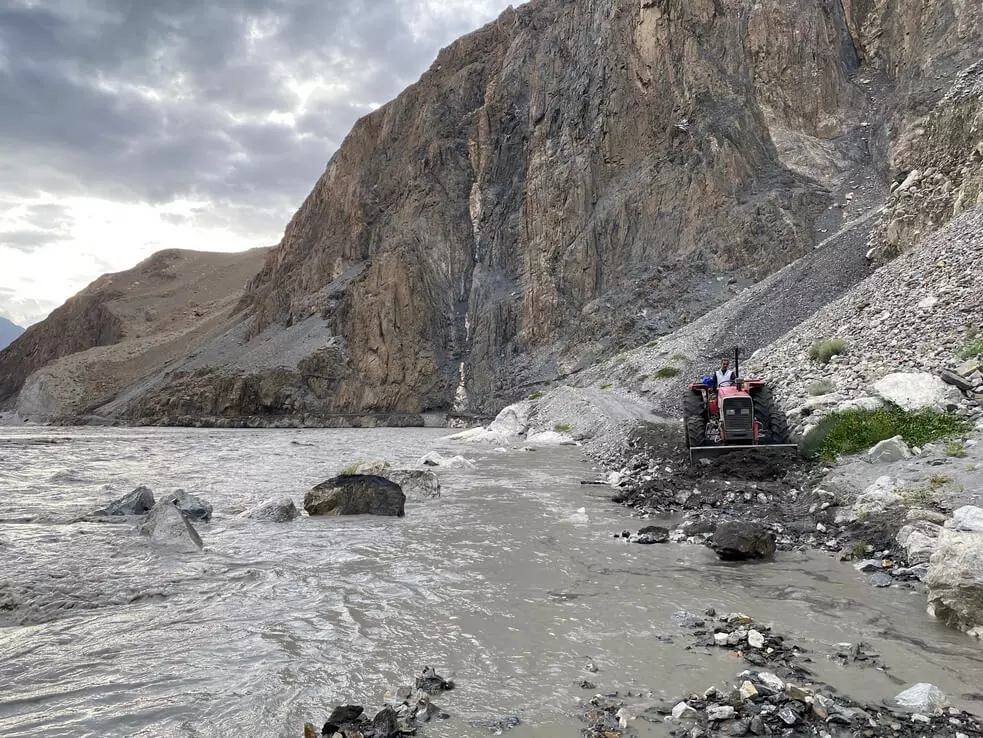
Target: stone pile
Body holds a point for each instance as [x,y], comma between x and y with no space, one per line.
[780,697]
[414,710]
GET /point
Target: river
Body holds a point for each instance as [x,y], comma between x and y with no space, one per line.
[512,582]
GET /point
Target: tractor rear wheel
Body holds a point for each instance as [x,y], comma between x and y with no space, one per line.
[772,422]
[696,423]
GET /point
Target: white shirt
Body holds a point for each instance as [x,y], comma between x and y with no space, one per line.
[725,378]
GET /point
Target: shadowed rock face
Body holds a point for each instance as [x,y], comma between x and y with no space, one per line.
[565,182]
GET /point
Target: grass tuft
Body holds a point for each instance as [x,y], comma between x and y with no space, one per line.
[562,428]
[852,431]
[535,396]
[667,372]
[955,449]
[823,351]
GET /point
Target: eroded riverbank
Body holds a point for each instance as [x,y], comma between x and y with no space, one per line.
[512,583]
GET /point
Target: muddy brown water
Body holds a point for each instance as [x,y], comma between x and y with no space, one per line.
[512,583]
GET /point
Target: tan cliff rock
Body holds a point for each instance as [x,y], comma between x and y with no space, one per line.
[573,179]
[121,327]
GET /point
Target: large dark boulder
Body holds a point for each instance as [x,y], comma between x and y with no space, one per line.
[741,541]
[139,502]
[356,494]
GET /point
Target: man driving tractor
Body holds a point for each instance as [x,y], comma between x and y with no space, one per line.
[725,376]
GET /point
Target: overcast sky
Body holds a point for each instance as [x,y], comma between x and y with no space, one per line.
[129,126]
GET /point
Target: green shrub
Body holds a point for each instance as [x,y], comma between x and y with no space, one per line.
[972,349]
[562,428]
[956,449]
[667,372]
[350,468]
[852,431]
[823,351]
[820,387]
[861,550]
[535,396]
[606,386]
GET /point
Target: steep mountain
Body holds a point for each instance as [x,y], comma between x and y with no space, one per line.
[8,332]
[121,327]
[582,176]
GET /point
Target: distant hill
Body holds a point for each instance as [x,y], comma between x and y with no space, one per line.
[122,327]
[8,332]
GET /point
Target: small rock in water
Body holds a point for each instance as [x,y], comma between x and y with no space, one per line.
[651,534]
[748,691]
[683,711]
[755,639]
[432,683]
[274,510]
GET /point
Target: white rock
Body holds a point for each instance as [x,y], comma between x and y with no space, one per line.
[916,390]
[682,711]
[967,518]
[721,712]
[923,698]
[920,540]
[890,450]
[755,639]
[377,467]
[876,498]
[513,420]
[549,438]
[914,176]
[955,580]
[435,459]
[772,681]
[721,638]
[748,691]
[929,302]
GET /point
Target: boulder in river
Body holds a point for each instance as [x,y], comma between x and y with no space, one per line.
[741,541]
[194,508]
[356,494]
[138,502]
[651,534]
[167,525]
[273,510]
[418,484]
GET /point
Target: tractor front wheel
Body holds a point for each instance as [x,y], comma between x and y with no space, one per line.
[696,422]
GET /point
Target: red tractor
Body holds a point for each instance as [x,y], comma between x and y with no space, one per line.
[739,416]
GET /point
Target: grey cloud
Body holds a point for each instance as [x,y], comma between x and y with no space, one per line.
[27,240]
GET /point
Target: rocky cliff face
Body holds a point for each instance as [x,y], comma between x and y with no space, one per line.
[120,328]
[572,179]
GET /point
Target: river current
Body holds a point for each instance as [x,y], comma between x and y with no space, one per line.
[512,583]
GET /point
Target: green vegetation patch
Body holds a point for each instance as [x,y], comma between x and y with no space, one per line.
[562,428]
[972,350]
[667,372]
[852,431]
[606,386]
[535,396]
[350,468]
[823,351]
